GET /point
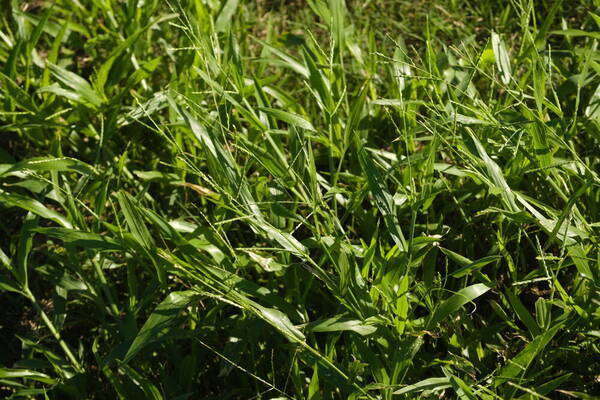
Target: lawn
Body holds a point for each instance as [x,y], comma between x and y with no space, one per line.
[306,199]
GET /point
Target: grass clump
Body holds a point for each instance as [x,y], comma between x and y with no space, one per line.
[320,199]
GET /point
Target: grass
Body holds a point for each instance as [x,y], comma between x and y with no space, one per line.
[320,199]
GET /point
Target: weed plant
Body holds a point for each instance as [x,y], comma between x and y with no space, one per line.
[311,199]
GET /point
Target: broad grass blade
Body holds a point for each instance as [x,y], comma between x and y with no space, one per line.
[383,199]
[455,302]
[163,317]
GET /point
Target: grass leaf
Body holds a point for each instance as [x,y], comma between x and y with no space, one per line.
[455,302]
[156,326]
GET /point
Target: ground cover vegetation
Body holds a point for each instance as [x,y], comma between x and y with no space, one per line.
[304,199]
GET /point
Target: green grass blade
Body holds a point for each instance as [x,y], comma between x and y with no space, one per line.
[162,318]
[29,204]
[383,199]
[455,302]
